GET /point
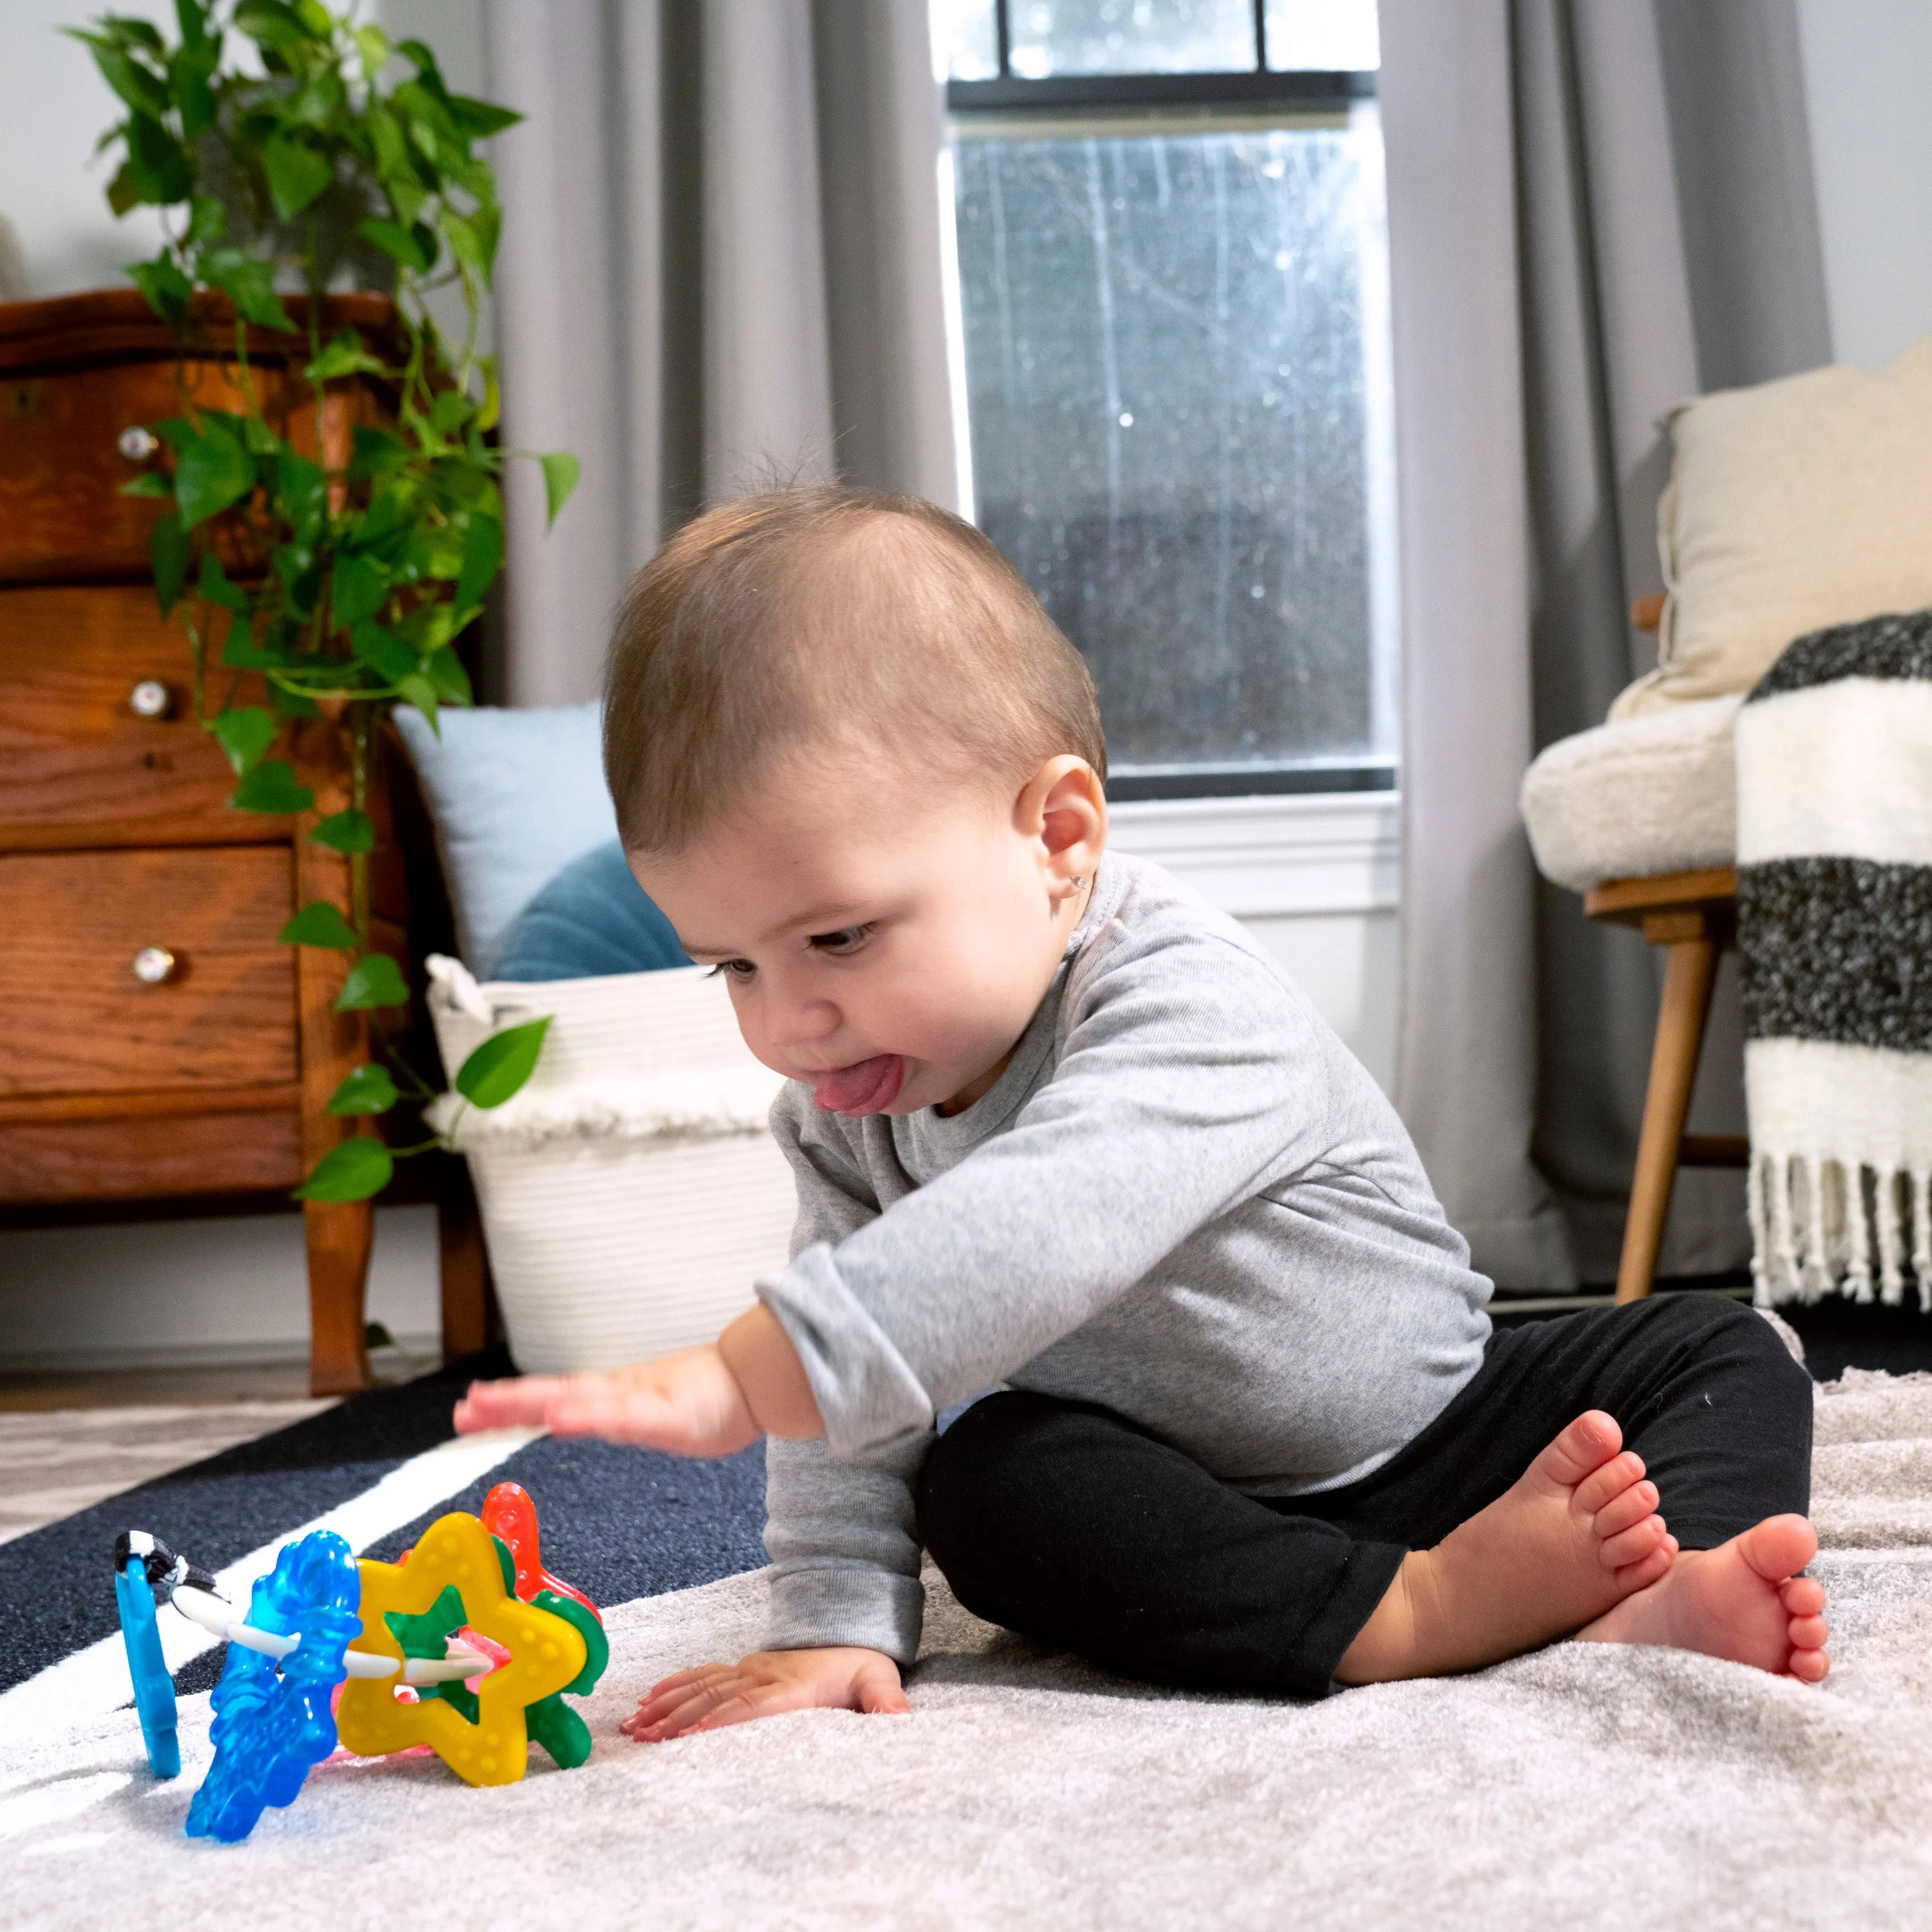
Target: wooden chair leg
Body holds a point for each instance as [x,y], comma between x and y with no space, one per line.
[1689,974]
[465,1266]
[340,1235]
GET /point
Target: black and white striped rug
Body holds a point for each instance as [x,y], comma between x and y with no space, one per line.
[378,1468]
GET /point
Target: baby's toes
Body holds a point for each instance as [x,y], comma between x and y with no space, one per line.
[1626,1511]
[1613,1479]
[1803,1596]
[1808,1632]
[1633,1545]
[1810,1666]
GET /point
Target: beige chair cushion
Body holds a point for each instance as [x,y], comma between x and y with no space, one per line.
[1791,505]
[1636,798]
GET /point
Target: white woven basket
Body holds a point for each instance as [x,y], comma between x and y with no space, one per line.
[631,1192]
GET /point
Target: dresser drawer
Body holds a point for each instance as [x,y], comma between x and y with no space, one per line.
[79,765]
[71,924]
[45,1163]
[62,515]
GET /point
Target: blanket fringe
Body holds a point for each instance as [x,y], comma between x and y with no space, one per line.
[1818,1225]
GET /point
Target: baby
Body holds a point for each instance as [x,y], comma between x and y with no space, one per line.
[1063,1132]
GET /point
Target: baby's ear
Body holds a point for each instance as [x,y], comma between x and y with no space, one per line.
[1064,806]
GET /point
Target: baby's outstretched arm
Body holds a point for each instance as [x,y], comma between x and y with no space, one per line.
[767,1681]
[711,1401]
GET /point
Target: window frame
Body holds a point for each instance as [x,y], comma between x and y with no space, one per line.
[1301,89]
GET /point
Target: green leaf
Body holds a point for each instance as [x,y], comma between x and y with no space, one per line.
[249,284]
[358,589]
[502,1064]
[166,289]
[270,24]
[367,1090]
[158,167]
[318,923]
[319,102]
[192,17]
[384,652]
[417,690]
[479,119]
[302,492]
[124,191]
[188,72]
[245,734]
[130,30]
[151,483]
[208,222]
[271,787]
[240,652]
[344,356]
[350,831]
[482,558]
[296,173]
[415,247]
[143,89]
[293,704]
[214,471]
[167,552]
[374,980]
[372,45]
[352,1170]
[444,669]
[560,473]
[213,584]
[465,243]
[315,17]
[449,412]
[375,452]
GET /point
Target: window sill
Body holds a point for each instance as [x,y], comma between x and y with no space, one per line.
[1257,858]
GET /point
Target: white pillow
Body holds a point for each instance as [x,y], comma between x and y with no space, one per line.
[516,796]
[1791,506]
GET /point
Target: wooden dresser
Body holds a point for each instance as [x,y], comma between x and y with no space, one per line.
[159,1050]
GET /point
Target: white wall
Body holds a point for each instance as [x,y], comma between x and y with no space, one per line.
[54,107]
[1867,77]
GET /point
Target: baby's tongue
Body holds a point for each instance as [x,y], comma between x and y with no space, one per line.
[867,1087]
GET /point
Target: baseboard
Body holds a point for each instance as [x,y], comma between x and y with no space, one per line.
[257,1354]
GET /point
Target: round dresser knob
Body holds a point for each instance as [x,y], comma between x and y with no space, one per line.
[137,444]
[153,964]
[150,698]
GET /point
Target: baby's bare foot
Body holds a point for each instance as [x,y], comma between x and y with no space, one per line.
[1576,1533]
[1743,1600]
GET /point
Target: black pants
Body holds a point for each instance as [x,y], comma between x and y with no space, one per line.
[1061,1520]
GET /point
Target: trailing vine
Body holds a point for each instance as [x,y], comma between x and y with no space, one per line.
[278,149]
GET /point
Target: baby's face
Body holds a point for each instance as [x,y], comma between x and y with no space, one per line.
[885,945]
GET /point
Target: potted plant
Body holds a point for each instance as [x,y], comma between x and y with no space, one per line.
[333,552]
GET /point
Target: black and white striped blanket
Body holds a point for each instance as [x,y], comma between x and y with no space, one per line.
[1835,933]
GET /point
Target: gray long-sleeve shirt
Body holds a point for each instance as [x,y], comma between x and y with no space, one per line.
[1184,1199]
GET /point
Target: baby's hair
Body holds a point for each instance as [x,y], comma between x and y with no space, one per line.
[822,621]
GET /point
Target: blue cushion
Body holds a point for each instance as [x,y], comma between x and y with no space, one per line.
[592,919]
[516,796]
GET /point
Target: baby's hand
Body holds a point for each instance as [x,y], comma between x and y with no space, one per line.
[690,1403]
[768,1680]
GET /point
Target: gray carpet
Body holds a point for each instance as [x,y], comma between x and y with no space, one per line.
[1585,1785]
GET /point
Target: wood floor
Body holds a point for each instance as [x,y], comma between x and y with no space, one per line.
[67,1441]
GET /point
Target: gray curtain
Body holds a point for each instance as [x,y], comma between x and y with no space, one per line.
[720,266]
[1596,209]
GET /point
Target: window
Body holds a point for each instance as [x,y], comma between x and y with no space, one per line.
[1172,315]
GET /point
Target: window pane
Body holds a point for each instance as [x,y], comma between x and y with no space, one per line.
[1052,36]
[965,39]
[1177,366]
[1334,36]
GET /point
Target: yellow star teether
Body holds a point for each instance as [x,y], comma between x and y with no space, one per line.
[546,1654]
